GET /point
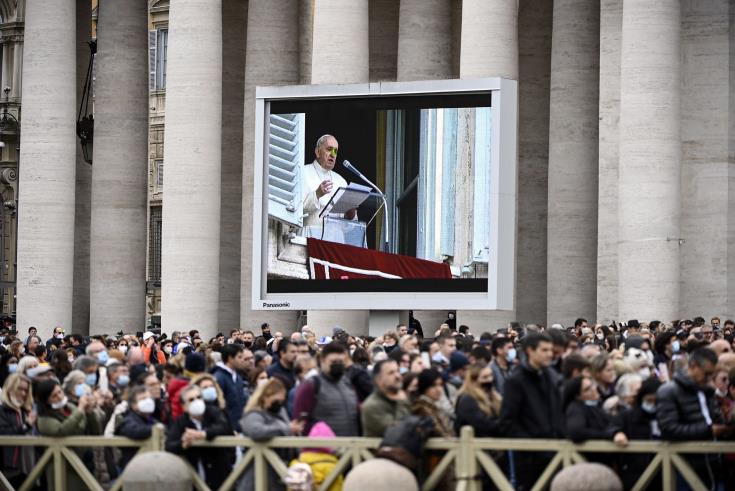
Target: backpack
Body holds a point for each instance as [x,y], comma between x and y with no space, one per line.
[404,441]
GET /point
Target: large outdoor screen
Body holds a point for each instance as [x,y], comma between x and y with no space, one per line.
[385,196]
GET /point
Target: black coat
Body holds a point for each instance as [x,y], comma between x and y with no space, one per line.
[531,405]
[588,423]
[12,425]
[679,413]
[468,413]
[636,424]
[217,462]
[136,427]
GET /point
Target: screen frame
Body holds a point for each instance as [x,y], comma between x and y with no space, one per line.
[504,170]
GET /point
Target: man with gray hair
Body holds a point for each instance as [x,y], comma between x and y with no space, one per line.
[320,182]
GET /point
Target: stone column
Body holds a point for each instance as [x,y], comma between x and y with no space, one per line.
[340,37]
[611,24]
[488,48]
[534,66]
[489,42]
[707,136]
[46,183]
[192,148]
[83,184]
[6,73]
[272,54]
[17,70]
[340,54]
[425,40]
[119,174]
[383,39]
[234,15]
[650,147]
[572,221]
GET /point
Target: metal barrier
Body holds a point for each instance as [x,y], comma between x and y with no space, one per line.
[467,454]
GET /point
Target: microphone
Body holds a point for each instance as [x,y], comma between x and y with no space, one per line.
[348,165]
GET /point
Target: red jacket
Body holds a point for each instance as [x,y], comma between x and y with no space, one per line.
[173,389]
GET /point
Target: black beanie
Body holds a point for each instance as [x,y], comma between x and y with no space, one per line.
[427,378]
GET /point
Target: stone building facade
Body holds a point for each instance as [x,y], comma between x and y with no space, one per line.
[626,137]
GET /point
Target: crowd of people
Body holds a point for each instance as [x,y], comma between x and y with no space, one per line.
[618,382]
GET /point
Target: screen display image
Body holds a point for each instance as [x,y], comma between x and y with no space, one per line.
[395,195]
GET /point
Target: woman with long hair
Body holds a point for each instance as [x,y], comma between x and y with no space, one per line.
[60,364]
[478,403]
[17,418]
[265,417]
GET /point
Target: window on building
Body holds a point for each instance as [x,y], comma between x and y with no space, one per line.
[157,56]
[154,251]
[159,173]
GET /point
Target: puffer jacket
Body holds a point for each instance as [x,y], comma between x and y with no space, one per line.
[679,413]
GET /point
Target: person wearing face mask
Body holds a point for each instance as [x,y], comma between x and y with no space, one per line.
[17,418]
[329,397]
[119,379]
[211,392]
[585,419]
[265,417]
[504,356]
[479,402]
[138,421]
[388,403]
[57,416]
[201,422]
[639,422]
[665,346]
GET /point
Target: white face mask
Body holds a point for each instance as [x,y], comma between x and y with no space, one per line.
[123,349]
[60,404]
[196,408]
[312,373]
[146,406]
[644,372]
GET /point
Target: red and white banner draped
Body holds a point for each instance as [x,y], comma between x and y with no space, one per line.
[333,261]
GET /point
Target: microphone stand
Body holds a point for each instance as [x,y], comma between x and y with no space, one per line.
[353,169]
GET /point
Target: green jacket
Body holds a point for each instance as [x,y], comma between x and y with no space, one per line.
[379,412]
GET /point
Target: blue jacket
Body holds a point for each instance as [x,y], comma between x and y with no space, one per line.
[235,392]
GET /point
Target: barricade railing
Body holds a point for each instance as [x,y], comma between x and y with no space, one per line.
[467,456]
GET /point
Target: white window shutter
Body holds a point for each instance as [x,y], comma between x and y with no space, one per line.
[285,159]
[152,39]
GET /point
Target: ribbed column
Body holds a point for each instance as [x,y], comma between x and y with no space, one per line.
[83,185]
[272,54]
[534,65]
[192,148]
[119,177]
[234,15]
[650,147]
[489,48]
[611,24]
[489,39]
[340,38]
[707,137]
[573,154]
[425,40]
[46,183]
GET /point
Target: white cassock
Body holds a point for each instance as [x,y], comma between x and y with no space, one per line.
[312,176]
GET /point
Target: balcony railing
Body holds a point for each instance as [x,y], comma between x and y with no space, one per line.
[467,455]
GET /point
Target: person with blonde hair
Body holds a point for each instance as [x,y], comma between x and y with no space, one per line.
[17,418]
[265,417]
[211,391]
[478,403]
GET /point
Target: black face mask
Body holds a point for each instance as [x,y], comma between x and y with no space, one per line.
[275,407]
[487,386]
[336,370]
[248,344]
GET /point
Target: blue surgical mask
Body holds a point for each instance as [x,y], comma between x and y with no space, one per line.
[91,379]
[511,355]
[102,357]
[402,370]
[123,380]
[12,367]
[675,346]
[649,407]
[591,403]
[209,394]
[80,390]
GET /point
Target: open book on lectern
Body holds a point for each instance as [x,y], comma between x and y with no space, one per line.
[346,199]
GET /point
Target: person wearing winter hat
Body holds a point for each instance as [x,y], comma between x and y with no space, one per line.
[321,460]
[194,364]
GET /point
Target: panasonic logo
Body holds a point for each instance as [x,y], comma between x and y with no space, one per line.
[267,305]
